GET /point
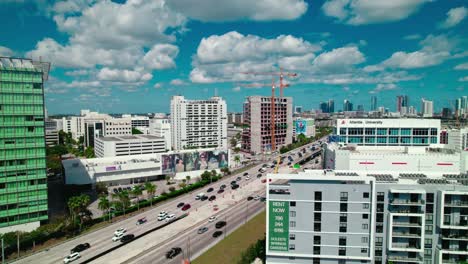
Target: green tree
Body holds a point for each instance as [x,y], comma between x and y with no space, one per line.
[236,149]
[206,176]
[123,201]
[213,173]
[150,190]
[172,188]
[233,142]
[188,178]
[78,206]
[104,205]
[101,188]
[89,153]
[137,191]
[237,159]
[136,131]
[182,185]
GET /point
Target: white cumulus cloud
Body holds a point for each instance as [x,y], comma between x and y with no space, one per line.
[4,51]
[177,82]
[463,66]
[117,75]
[454,17]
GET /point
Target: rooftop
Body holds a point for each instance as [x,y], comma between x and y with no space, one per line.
[393,149]
[130,138]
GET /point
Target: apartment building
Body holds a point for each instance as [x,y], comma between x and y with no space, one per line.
[457,138]
[198,123]
[161,127]
[23,185]
[367,217]
[388,132]
[257,137]
[112,146]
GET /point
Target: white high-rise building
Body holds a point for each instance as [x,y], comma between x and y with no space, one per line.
[198,123]
[161,127]
[427,108]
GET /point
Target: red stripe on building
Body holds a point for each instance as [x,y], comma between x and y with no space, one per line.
[399,163]
[366,162]
[444,164]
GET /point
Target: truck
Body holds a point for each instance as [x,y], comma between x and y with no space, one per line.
[199,196]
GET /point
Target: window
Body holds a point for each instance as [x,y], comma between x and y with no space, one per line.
[378,241]
[427,252]
[364,240]
[365,226]
[429,218]
[318,196]
[343,217]
[365,206]
[429,208]
[379,228]
[430,197]
[317,227]
[379,218]
[318,217]
[342,241]
[317,240]
[363,250]
[343,227]
[365,195]
[292,223]
[380,207]
[316,250]
[316,260]
[318,206]
[380,196]
[292,203]
[343,207]
[341,251]
[292,247]
[365,216]
[292,213]
[428,243]
[343,196]
[429,229]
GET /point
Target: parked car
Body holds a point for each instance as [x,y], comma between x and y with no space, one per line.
[220,190]
[173,252]
[180,205]
[71,257]
[80,248]
[127,238]
[202,230]
[209,189]
[120,231]
[141,221]
[220,224]
[186,207]
[212,198]
[217,233]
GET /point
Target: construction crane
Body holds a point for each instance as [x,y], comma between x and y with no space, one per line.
[272,108]
[281,75]
[277,164]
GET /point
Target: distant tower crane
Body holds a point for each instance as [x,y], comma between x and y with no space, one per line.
[281,75]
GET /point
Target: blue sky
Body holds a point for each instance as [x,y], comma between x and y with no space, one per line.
[132,56]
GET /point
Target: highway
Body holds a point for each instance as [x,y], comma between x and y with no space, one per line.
[101,239]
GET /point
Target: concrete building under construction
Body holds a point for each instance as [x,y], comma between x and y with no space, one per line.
[257,135]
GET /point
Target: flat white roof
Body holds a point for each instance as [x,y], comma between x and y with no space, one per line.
[131,138]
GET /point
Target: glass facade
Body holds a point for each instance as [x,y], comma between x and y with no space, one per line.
[389,136]
[23,178]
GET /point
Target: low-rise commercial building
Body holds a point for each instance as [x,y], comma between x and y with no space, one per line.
[51,138]
[128,145]
[367,217]
[161,127]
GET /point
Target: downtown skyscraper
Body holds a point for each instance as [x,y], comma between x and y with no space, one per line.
[373,103]
[23,177]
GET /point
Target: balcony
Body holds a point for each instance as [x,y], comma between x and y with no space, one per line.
[406,202]
[406,234]
[406,246]
[416,259]
[409,224]
[456,203]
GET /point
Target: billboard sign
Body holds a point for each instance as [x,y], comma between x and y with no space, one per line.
[301,127]
[278,226]
[194,161]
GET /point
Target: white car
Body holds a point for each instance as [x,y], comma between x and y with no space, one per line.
[117,237]
[256,198]
[247,178]
[120,231]
[71,257]
[170,217]
[162,217]
[212,219]
[162,213]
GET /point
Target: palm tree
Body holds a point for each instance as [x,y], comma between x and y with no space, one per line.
[182,185]
[187,178]
[104,204]
[150,190]
[78,206]
[124,200]
[237,159]
[137,191]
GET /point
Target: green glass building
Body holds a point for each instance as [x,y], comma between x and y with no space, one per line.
[23,177]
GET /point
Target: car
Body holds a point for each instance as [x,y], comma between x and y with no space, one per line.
[246,173]
[217,233]
[202,230]
[220,224]
[80,248]
[170,217]
[238,178]
[117,237]
[264,165]
[212,218]
[119,189]
[263,180]
[141,221]
[186,207]
[272,166]
[250,198]
[220,190]
[173,252]
[115,191]
[128,188]
[127,238]
[161,218]
[203,198]
[247,178]
[289,163]
[180,205]
[209,189]
[222,186]
[120,231]
[256,198]
[233,182]
[263,199]
[235,186]
[71,257]
[212,198]
[162,213]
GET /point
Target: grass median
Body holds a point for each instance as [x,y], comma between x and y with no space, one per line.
[230,249]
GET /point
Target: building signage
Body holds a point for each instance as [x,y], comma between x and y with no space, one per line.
[367,122]
[278,223]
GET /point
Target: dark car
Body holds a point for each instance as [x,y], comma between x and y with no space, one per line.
[220,224]
[217,233]
[246,173]
[80,248]
[212,198]
[222,186]
[259,175]
[209,190]
[141,221]
[250,198]
[289,163]
[203,198]
[265,165]
[238,178]
[180,205]
[220,190]
[235,186]
[263,199]
[186,207]
[127,238]
[120,189]
[272,166]
[202,230]
[233,183]
[173,252]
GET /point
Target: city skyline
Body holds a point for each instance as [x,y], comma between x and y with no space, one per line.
[338,51]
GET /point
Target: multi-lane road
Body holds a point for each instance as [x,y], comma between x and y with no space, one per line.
[232,204]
